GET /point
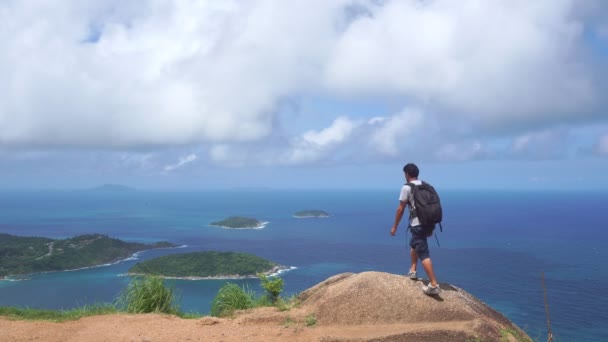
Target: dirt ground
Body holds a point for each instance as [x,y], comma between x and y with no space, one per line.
[369,306]
[154,327]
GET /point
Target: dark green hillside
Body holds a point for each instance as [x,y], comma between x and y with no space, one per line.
[238,222]
[23,255]
[204,264]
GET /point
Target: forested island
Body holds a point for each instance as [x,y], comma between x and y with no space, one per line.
[206,265]
[310,214]
[25,255]
[239,222]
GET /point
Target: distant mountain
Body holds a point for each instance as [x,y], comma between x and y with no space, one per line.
[112,188]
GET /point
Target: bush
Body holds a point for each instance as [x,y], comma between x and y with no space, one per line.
[311,320]
[148,294]
[230,298]
[273,286]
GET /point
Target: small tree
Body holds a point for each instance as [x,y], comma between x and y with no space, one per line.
[273,287]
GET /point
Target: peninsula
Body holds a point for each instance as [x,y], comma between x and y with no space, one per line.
[24,255]
[311,214]
[239,222]
[206,265]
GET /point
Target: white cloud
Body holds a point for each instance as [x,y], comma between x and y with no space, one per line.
[181,162]
[389,134]
[339,130]
[544,144]
[314,145]
[494,63]
[113,74]
[458,152]
[160,72]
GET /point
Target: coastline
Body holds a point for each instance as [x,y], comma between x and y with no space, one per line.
[133,256]
[275,271]
[262,225]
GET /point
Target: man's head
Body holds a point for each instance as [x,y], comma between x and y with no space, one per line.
[411,171]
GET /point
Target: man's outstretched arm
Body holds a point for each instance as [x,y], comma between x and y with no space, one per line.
[398,216]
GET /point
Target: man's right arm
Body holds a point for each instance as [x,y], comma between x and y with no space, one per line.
[398,216]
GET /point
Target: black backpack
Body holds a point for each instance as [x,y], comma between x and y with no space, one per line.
[427,206]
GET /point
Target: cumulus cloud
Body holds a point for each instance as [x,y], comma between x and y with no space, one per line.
[389,134]
[544,144]
[494,63]
[119,75]
[340,129]
[181,162]
[114,74]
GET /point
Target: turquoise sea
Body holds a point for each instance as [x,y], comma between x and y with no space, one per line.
[494,245]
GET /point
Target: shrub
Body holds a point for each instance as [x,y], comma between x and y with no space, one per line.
[230,298]
[148,294]
[273,287]
[311,320]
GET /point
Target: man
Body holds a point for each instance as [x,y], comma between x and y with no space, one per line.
[418,242]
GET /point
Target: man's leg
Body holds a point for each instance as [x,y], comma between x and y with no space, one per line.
[428,268]
[414,258]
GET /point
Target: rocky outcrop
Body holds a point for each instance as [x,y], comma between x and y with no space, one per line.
[382,299]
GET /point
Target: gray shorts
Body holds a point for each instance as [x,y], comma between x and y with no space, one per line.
[418,242]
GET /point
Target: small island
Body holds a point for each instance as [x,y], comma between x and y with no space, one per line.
[238,222]
[26,255]
[206,265]
[311,214]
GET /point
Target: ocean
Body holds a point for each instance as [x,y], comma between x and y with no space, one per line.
[494,245]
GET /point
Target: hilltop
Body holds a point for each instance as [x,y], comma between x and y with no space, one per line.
[369,306]
[24,255]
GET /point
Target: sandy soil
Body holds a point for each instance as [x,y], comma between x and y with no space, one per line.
[369,306]
[154,327]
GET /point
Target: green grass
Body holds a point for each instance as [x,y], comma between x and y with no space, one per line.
[148,294]
[505,333]
[285,304]
[310,320]
[288,322]
[230,298]
[57,315]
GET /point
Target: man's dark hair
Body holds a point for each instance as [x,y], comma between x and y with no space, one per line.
[411,170]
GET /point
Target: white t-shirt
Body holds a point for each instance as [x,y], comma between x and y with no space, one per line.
[406,196]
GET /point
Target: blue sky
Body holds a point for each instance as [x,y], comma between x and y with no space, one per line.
[194,95]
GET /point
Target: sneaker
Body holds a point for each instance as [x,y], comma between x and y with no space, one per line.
[431,291]
[412,275]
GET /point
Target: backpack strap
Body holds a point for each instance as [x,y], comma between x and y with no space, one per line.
[412,208]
